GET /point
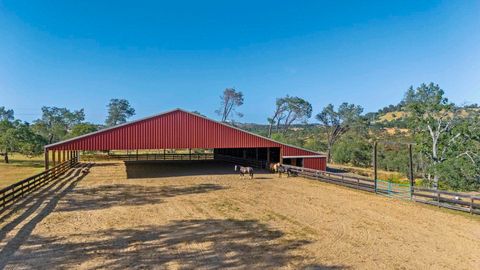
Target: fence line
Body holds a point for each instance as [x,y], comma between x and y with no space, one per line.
[451,200]
[160,156]
[19,189]
[242,161]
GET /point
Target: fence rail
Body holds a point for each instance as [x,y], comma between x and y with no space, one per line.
[160,156]
[335,178]
[19,189]
[242,161]
[452,200]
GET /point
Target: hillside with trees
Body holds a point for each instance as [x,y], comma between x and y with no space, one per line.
[445,136]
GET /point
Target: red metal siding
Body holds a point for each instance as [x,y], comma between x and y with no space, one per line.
[177,129]
[315,163]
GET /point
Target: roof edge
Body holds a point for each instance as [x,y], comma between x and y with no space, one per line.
[181,110]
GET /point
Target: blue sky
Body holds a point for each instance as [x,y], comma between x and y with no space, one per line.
[164,55]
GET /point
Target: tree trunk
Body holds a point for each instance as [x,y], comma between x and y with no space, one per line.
[270,131]
[435,181]
[6,157]
[329,154]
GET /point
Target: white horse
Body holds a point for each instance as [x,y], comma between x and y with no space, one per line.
[244,170]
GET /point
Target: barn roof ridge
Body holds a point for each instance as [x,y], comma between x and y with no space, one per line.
[171,111]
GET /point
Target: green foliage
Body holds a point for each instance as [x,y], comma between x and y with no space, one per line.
[16,136]
[57,122]
[446,141]
[82,129]
[337,123]
[6,114]
[230,100]
[119,110]
[354,150]
[288,111]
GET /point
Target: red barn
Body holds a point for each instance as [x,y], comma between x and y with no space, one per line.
[179,129]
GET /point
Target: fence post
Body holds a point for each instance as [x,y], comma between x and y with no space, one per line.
[471,204]
[375,164]
[438,199]
[412,181]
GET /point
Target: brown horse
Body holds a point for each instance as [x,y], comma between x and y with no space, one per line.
[279,168]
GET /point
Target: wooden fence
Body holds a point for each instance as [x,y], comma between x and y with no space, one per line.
[361,183]
[242,161]
[452,200]
[160,156]
[18,190]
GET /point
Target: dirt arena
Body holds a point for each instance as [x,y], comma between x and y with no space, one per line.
[200,215]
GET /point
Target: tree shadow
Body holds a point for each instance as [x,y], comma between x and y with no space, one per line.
[183,244]
[36,207]
[178,168]
[106,196]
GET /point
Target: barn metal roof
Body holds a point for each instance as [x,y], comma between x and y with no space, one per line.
[174,129]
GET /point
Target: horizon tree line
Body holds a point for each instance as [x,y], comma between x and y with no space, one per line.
[447,140]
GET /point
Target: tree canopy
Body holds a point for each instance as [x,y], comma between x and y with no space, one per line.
[119,110]
[230,100]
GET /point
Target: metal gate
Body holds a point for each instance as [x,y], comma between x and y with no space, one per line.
[394,190]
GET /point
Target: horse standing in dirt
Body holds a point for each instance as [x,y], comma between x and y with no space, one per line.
[280,169]
[244,170]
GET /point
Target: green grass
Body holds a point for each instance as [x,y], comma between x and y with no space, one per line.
[19,168]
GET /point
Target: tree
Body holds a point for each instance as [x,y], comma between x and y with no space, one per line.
[16,136]
[297,110]
[337,123]
[230,100]
[7,138]
[281,106]
[56,122]
[6,114]
[433,119]
[82,129]
[119,110]
[198,113]
[27,142]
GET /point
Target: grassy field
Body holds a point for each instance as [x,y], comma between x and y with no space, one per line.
[20,167]
[201,215]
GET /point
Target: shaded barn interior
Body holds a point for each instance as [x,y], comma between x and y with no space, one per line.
[199,137]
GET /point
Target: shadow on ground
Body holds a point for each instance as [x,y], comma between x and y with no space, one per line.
[184,244]
[158,169]
[105,196]
[20,219]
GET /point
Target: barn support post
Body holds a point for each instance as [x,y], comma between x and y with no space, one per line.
[268,156]
[190,153]
[46,159]
[53,158]
[412,180]
[244,154]
[136,155]
[256,153]
[281,155]
[375,165]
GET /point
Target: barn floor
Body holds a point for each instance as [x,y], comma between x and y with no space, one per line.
[214,219]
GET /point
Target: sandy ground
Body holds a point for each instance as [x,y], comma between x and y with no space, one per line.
[202,216]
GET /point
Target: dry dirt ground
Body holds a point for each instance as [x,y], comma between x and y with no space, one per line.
[202,216]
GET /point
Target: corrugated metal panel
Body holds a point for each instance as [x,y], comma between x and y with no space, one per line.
[176,129]
[315,163]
